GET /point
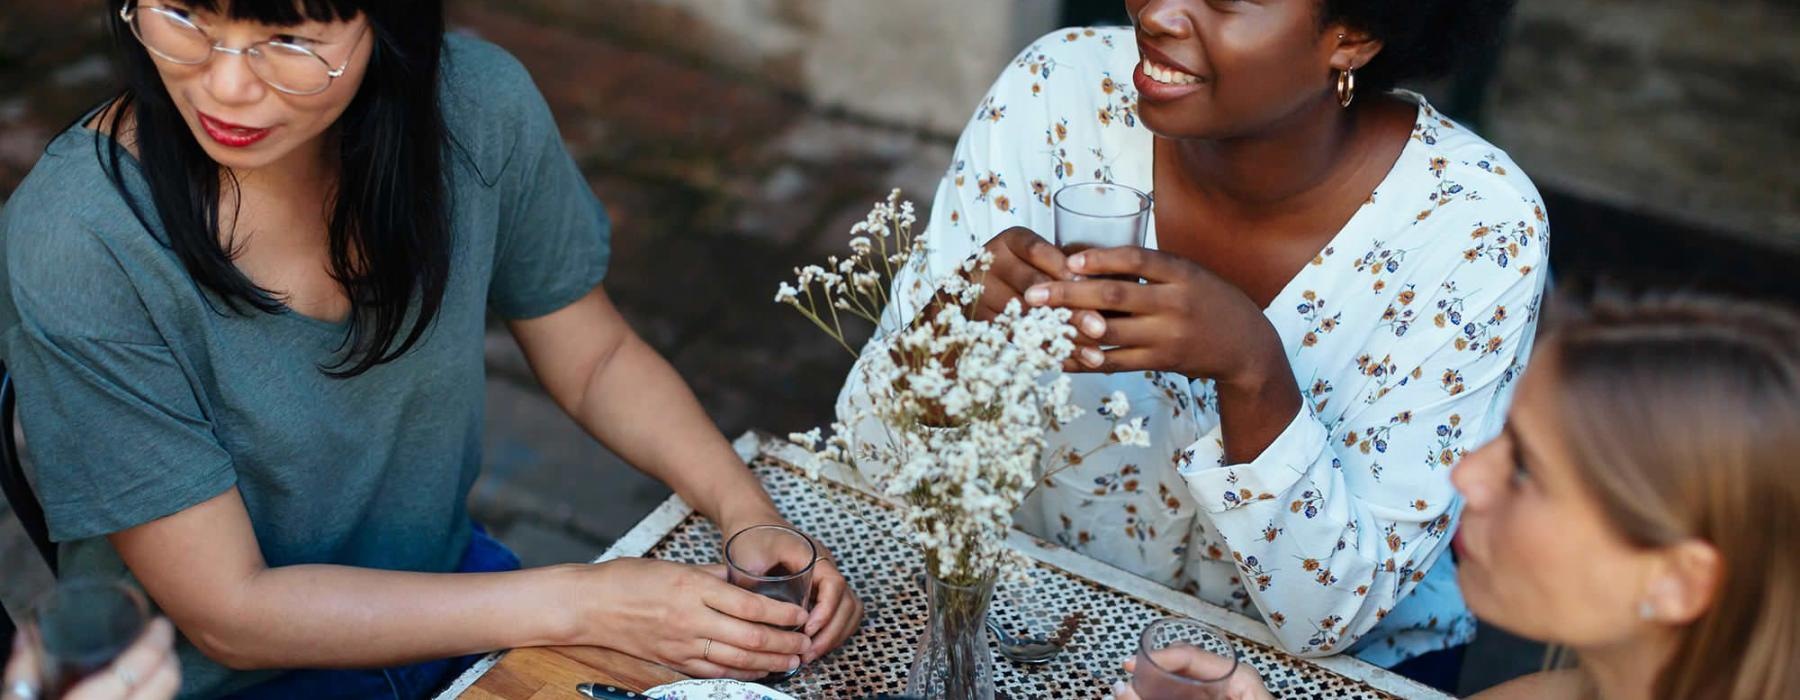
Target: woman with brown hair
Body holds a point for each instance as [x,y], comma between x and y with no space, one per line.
[1641,507]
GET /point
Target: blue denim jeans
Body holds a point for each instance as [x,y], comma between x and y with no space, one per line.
[398,683]
[1441,669]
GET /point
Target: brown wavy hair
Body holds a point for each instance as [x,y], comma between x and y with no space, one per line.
[1683,413]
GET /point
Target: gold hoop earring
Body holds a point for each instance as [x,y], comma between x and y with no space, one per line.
[1346,87]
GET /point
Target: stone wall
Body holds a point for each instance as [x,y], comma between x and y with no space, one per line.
[1684,109]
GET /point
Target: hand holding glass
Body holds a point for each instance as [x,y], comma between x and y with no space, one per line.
[1181,659]
[80,627]
[775,561]
[1100,215]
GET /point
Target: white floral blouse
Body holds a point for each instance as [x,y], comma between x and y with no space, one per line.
[1406,333]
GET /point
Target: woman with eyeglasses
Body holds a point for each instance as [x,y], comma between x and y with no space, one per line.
[244,304]
[1641,510]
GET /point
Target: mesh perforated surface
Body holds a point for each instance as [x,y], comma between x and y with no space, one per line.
[885,571]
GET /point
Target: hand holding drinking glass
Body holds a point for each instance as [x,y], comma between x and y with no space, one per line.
[687,618]
[88,640]
[1089,215]
[833,610]
[1093,215]
[1181,318]
[774,561]
[1180,659]
[1022,258]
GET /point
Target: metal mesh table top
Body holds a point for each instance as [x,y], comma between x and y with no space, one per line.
[885,572]
[862,532]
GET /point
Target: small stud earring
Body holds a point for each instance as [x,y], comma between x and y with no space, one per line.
[1646,611]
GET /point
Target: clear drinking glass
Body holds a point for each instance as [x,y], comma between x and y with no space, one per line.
[1202,676]
[774,561]
[80,627]
[1100,215]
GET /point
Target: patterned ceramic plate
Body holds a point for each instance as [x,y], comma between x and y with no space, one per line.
[715,689]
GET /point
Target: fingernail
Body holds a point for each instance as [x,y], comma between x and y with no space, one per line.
[1078,262]
[1093,326]
[1118,688]
[1092,357]
[1037,295]
[793,664]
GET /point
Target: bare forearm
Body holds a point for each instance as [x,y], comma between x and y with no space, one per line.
[320,616]
[641,408]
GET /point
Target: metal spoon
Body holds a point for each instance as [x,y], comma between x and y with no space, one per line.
[1024,650]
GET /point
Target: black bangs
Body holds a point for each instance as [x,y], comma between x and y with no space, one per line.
[280,13]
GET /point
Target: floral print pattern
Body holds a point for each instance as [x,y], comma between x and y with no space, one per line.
[1406,334]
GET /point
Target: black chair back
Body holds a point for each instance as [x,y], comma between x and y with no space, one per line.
[12,478]
[8,632]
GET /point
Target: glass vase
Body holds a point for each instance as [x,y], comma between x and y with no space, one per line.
[954,661]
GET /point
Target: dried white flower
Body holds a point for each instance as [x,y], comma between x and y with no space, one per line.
[1115,406]
[809,439]
[1132,432]
[967,405]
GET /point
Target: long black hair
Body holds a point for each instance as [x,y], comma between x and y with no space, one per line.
[390,242]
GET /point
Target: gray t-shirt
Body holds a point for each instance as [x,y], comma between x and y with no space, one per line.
[139,399]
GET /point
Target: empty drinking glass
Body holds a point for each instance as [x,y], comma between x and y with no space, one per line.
[1100,215]
[775,561]
[80,626]
[1182,659]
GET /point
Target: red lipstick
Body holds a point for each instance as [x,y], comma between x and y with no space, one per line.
[231,135]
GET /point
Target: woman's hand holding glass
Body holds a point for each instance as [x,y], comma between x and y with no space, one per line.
[1022,259]
[776,560]
[1243,684]
[147,670]
[1183,319]
[688,618]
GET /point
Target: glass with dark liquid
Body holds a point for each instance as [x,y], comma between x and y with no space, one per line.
[80,627]
[774,561]
[1101,215]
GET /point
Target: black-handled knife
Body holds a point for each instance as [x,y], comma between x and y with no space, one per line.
[606,692]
